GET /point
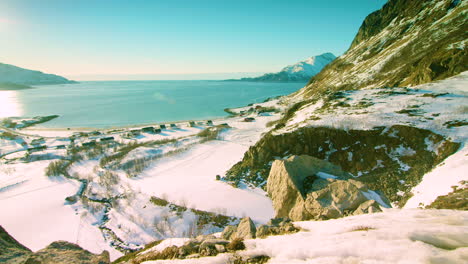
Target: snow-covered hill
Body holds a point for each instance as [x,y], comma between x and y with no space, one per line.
[298,72]
[16,75]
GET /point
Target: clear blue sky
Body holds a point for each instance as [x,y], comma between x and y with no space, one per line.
[114,37]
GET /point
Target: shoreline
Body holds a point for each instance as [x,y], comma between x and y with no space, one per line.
[130,126]
[38,128]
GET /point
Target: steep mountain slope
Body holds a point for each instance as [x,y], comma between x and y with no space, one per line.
[13,77]
[11,251]
[354,115]
[299,72]
[405,43]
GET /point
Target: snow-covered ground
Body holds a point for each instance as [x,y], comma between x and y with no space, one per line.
[35,212]
[191,178]
[394,236]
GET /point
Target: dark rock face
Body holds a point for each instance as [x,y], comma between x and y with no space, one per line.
[405,43]
[374,155]
[11,251]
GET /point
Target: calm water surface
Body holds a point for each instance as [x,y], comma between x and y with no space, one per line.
[119,103]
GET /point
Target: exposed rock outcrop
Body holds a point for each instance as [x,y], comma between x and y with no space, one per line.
[246,229]
[304,188]
[369,153]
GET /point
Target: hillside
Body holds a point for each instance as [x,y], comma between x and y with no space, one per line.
[406,43]
[358,114]
[299,72]
[13,78]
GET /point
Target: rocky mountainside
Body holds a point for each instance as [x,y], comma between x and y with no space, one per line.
[405,43]
[11,251]
[13,77]
[353,114]
[299,72]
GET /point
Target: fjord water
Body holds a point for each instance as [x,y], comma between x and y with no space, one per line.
[104,104]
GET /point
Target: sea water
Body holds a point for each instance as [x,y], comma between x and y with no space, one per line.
[103,104]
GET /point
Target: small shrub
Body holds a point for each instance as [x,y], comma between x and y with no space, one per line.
[158,201]
[455,123]
[268,109]
[361,228]
[236,244]
[7,135]
[57,168]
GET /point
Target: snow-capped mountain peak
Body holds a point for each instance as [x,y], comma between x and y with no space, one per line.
[310,66]
[299,72]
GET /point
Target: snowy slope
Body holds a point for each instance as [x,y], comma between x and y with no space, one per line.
[394,236]
[298,72]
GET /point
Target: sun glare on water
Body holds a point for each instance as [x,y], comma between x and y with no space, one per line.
[9,105]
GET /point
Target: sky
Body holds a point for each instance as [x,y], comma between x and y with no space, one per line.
[132,39]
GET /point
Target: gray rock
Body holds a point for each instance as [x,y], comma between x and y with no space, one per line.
[220,248]
[246,229]
[214,241]
[263,231]
[209,250]
[202,238]
[189,247]
[368,207]
[297,193]
[228,231]
[193,256]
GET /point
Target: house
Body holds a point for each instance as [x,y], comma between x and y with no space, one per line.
[157,130]
[148,129]
[192,123]
[209,123]
[106,139]
[162,126]
[249,119]
[173,126]
[135,132]
[36,149]
[89,144]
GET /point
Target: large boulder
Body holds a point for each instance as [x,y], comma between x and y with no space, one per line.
[228,232]
[246,229]
[304,188]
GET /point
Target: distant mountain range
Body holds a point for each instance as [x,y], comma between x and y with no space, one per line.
[299,72]
[14,78]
